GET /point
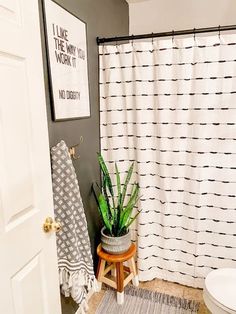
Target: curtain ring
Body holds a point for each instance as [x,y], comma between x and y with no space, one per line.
[219,32]
[173,36]
[194,34]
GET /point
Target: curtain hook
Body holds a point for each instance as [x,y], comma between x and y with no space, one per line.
[152,37]
[173,36]
[116,43]
[132,42]
[194,34]
[219,32]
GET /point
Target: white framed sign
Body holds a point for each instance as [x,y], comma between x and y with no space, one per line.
[67,62]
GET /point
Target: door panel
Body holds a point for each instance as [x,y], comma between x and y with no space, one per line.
[15,124]
[28,262]
[22,288]
[9,10]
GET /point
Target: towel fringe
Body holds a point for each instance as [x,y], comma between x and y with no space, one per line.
[67,278]
[83,307]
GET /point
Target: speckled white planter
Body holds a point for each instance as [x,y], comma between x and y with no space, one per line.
[115,245]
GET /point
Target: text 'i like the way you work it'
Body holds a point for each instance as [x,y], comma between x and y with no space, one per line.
[66,52]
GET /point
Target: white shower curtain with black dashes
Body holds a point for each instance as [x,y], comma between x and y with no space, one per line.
[170,106]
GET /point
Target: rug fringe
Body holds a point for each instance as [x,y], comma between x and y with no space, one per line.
[160,297]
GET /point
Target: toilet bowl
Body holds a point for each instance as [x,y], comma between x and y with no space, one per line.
[219,293]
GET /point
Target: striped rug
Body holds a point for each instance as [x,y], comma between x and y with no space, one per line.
[142,301]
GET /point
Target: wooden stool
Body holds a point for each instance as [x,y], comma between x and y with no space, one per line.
[115,264]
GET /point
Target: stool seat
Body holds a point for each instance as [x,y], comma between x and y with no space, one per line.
[116,258]
[114,263]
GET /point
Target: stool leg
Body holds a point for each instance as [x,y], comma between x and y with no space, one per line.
[120,282]
[120,297]
[100,272]
[113,271]
[132,267]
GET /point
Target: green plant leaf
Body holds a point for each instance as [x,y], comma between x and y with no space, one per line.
[117,220]
[107,175]
[114,226]
[119,195]
[128,177]
[132,219]
[129,208]
[110,209]
[104,212]
[125,216]
[105,172]
[134,194]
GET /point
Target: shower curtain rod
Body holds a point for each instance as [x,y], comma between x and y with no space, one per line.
[167,34]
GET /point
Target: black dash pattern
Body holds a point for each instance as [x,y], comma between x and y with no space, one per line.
[171,111]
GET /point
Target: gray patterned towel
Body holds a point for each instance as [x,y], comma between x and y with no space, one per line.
[73,246]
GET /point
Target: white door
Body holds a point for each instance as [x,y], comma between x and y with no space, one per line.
[28,264]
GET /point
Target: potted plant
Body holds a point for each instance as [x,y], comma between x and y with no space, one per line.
[116,207]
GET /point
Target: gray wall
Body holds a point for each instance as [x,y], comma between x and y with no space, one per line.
[104,18]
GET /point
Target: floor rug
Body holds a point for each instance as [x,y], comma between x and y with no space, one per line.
[142,301]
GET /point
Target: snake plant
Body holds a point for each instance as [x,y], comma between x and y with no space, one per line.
[115,205]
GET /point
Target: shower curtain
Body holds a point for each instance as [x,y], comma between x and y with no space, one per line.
[170,106]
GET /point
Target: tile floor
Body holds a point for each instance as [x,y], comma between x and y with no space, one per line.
[160,286]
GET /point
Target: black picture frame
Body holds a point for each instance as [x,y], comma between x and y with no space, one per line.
[49,64]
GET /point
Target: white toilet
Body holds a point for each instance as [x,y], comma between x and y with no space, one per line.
[220,291]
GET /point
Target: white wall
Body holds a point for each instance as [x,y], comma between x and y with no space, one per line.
[165,15]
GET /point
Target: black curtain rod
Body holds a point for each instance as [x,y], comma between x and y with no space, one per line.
[167,34]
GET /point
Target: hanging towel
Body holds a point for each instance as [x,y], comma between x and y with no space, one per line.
[73,246]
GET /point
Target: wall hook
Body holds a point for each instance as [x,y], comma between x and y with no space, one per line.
[72,149]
